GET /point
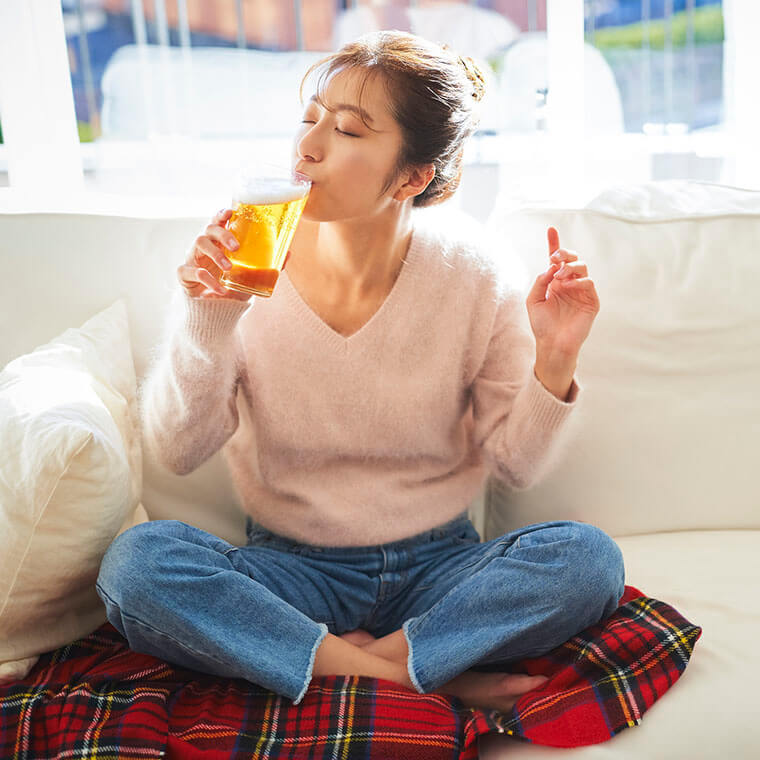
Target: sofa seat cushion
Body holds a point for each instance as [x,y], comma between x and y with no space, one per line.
[711,578]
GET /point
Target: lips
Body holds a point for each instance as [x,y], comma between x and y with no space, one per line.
[299,174]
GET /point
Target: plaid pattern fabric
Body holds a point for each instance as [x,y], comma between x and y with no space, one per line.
[95,698]
[602,680]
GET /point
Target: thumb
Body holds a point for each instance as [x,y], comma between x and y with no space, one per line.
[537,293]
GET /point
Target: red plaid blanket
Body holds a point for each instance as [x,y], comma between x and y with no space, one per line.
[96,698]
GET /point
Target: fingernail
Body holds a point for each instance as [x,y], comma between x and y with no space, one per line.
[233,245]
[226,263]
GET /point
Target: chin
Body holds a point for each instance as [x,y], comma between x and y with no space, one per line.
[319,215]
[309,216]
[314,211]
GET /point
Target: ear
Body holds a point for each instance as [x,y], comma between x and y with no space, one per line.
[415,183]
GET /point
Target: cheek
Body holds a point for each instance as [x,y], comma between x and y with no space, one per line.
[356,178]
[366,174]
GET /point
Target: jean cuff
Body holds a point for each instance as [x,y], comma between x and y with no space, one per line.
[410,659]
[310,668]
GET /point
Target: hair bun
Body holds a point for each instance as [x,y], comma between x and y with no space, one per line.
[475,75]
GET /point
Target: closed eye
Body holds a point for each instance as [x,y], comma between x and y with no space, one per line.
[347,134]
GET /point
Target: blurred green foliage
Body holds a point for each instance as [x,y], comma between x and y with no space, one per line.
[708,28]
[86,132]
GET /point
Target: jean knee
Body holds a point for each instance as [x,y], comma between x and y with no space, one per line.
[131,556]
[600,566]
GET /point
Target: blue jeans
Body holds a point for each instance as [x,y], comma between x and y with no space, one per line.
[260,611]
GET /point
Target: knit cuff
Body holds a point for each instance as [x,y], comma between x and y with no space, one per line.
[546,409]
[210,320]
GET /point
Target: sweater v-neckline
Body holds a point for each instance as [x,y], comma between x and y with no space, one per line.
[332,335]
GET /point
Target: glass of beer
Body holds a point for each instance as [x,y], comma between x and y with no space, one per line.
[267,204]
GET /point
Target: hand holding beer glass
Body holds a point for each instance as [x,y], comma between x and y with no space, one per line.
[244,248]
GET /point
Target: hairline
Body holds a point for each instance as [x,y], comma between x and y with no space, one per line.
[368,72]
[358,110]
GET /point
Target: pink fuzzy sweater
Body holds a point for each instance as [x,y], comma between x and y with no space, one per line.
[366,439]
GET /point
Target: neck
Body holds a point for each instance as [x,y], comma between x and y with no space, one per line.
[356,256]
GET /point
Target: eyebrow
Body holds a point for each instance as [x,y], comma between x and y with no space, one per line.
[348,107]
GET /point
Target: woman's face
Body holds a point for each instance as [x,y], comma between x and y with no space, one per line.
[348,163]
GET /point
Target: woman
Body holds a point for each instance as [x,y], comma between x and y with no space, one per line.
[359,409]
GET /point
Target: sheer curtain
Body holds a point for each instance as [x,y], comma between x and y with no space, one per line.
[41,151]
[741,70]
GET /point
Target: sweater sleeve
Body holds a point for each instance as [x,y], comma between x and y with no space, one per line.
[188,398]
[518,422]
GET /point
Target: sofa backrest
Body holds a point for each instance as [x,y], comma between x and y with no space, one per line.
[666,433]
[64,267]
[667,430]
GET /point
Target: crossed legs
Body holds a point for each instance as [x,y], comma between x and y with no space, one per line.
[360,653]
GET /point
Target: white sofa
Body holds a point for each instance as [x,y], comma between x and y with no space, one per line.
[663,453]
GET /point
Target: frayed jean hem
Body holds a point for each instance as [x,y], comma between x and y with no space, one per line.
[410,659]
[310,668]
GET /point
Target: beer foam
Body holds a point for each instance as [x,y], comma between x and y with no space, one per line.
[269,190]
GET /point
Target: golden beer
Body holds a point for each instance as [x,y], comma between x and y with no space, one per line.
[264,218]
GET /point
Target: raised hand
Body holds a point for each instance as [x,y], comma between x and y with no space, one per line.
[563,303]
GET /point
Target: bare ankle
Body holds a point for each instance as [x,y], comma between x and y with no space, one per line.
[335,657]
[491,690]
[392,647]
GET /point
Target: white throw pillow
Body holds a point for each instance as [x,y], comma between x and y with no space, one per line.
[70,482]
[667,427]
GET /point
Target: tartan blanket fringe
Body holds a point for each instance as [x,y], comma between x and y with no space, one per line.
[97,698]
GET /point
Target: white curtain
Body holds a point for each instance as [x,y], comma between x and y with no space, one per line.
[741,71]
[36,100]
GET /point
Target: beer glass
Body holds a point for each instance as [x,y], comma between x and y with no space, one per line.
[267,203]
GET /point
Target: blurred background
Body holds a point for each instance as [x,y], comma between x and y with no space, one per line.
[159,101]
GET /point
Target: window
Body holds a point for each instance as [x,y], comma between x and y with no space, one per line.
[136,97]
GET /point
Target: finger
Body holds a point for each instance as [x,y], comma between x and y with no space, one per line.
[186,277]
[584,287]
[553,238]
[585,283]
[207,247]
[572,269]
[195,279]
[222,216]
[192,278]
[563,255]
[587,288]
[285,263]
[222,236]
[537,293]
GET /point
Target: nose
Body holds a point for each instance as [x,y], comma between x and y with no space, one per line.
[308,144]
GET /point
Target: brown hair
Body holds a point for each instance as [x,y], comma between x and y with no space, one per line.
[432,92]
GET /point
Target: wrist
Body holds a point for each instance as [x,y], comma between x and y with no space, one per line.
[553,355]
[555,373]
